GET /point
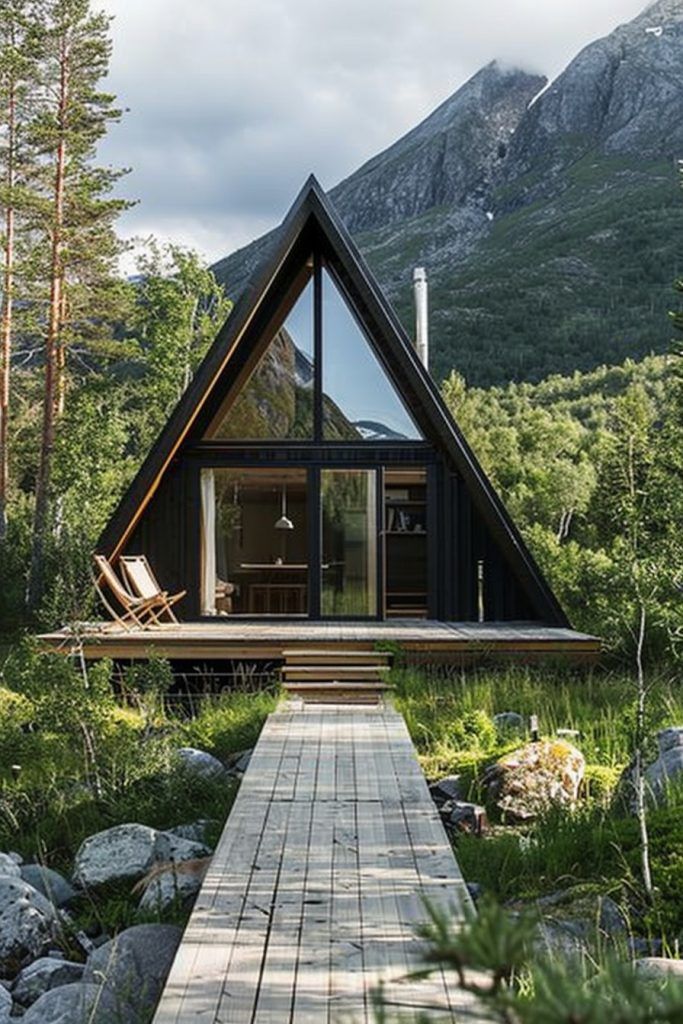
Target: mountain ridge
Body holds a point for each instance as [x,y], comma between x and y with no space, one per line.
[547,214]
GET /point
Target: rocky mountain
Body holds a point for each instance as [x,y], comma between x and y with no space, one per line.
[548,215]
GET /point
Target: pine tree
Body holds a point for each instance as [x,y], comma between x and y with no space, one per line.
[18,68]
[76,218]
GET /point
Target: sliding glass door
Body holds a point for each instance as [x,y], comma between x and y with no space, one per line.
[324,542]
[348,501]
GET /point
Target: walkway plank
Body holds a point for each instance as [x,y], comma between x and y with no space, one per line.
[318,881]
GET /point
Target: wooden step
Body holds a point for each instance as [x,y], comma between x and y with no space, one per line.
[334,692]
[343,671]
[320,657]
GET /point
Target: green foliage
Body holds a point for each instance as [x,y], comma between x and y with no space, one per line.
[590,469]
[180,306]
[493,956]
[87,762]
[447,718]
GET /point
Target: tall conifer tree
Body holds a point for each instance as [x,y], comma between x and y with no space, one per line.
[18,80]
[76,217]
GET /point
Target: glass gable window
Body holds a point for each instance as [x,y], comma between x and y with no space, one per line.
[277,401]
[360,403]
[288,397]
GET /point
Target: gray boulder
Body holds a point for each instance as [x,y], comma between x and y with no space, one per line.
[28,922]
[52,885]
[126,853]
[8,866]
[529,780]
[201,764]
[669,763]
[74,1004]
[132,968]
[5,1005]
[43,975]
[120,854]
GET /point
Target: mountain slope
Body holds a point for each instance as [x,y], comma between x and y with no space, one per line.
[550,227]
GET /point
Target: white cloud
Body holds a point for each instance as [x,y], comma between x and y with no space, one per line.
[232,105]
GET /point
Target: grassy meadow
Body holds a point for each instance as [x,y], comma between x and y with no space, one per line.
[450,720]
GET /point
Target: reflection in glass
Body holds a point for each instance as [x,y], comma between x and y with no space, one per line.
[360,402]
[252,563]
[277,401]
[349,537]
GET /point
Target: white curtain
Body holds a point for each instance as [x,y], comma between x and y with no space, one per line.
[371,541]
[208,492]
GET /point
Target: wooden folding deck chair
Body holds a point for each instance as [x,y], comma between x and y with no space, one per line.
[138,611]
[144,584]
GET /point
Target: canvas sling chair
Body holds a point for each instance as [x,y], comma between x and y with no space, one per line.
[138,611]
[144,585]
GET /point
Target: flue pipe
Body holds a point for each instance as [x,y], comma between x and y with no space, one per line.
[421,315]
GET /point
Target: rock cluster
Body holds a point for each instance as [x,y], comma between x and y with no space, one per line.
[122,977]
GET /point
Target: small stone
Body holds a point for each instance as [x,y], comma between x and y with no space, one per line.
[172,847]
[16,857]
[240,761]
[448,788]
[467,817]
[42,975]
[509,721]
[201,764]
[659,967]
[177,885]
[8,866]
[476,890]
[52,885]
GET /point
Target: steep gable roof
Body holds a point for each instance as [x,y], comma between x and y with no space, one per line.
[312,208]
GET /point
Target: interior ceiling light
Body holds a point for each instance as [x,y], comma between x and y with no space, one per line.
[284,522]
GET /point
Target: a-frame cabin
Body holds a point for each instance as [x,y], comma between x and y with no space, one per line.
[312,471]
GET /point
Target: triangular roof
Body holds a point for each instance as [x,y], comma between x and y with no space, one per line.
[312,210]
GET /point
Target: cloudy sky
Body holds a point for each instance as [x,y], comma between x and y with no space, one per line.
[231,103]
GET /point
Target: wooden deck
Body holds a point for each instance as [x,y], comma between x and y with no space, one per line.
[317,883]
[242,639]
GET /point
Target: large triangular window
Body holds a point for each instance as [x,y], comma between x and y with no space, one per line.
[315,380]
[276,402]
[360,403]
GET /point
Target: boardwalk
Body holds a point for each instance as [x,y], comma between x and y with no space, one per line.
[317,882]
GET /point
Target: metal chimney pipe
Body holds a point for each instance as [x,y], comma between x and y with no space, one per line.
[421,315]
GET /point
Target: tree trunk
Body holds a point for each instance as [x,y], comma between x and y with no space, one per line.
[60,358]
[641,810]
[7,309]
[52,343]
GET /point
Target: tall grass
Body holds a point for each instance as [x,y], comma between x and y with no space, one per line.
[449,717]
